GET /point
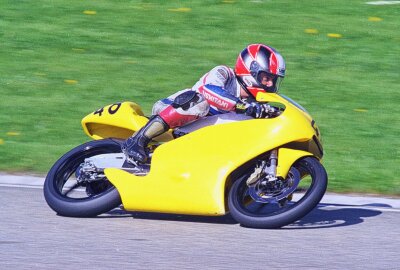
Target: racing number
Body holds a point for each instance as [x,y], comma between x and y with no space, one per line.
[99,111]
[114,108]
[111,110]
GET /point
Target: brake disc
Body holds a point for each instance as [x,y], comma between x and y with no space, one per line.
[265,191]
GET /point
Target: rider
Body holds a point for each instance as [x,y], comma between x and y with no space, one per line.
[259,68]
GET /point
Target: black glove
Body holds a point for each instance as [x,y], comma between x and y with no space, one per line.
[258,110]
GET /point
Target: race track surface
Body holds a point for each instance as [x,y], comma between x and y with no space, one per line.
[333,236]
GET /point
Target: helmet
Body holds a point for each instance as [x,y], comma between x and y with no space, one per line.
[255,62]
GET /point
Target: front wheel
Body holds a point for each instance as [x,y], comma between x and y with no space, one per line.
[68,196]
[269,215]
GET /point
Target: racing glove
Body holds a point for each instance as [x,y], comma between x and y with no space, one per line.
[254,109]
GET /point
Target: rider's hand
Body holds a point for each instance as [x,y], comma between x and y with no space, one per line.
[258,110]
[241,107]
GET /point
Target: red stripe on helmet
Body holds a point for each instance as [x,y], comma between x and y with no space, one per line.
[273,63]
[253,50]
[240,67]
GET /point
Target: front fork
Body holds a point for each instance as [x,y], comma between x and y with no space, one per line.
[270,170]
[266,170]
[264,185]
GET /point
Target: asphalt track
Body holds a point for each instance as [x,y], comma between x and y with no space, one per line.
[343,232]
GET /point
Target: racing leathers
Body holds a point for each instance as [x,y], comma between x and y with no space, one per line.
[218,91]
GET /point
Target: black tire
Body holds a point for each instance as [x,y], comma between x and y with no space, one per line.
[106,196]
[283,216]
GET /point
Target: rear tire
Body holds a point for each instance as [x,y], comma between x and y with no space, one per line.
[238,199]
[105,197]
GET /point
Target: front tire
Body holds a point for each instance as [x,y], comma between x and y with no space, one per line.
[102,196]
[270,216]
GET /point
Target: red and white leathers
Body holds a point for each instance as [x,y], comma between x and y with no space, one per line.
[218,91]
[258,68]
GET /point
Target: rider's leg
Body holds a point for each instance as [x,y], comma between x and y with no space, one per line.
[186,107]
[134,147]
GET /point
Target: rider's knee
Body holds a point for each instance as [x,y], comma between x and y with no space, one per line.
[186,100]
[192,103]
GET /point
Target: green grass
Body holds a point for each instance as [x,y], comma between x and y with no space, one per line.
[144,51]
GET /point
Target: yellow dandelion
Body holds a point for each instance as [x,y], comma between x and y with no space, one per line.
[311,53]
[130,62]
[360,110]
[333,35]
[40,74]
[71,81]
[13,133]
[78,49]
[145,6]
[89,12]
[1,141]
[311,31]
[375,19]
[182,9]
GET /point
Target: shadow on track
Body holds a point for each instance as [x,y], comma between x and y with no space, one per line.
[324,216]
[335,215]
[118,213]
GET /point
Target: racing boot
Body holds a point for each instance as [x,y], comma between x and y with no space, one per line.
[135,147]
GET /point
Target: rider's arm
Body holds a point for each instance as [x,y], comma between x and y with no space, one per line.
[217,88]
[218,98]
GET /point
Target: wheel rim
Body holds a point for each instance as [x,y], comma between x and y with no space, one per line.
[68,187]
[249,207]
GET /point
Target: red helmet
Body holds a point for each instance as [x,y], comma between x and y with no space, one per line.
[255,62]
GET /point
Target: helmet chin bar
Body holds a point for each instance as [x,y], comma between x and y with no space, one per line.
[273,89]
[270,89]
[245,88]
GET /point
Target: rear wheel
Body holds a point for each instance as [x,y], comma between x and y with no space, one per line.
[283,210]
[69,195]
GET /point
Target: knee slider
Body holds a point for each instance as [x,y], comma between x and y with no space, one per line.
[186,100]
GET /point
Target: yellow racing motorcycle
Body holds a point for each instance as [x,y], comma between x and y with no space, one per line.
[265,172]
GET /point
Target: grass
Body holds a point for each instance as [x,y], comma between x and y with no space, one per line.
[58,64]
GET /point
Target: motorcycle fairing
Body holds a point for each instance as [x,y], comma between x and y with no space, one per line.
[188,175]
[118,120]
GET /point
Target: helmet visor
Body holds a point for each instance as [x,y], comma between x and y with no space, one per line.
[269,82]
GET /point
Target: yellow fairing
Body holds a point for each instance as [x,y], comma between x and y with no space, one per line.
[119,120]
[188,175]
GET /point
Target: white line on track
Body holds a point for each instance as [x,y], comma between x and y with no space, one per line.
[21,186]
[365,207]
[380,3]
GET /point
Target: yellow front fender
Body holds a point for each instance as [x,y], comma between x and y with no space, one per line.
[286,158]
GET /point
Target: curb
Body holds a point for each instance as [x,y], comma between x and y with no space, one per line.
[21,180]
[367,201]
